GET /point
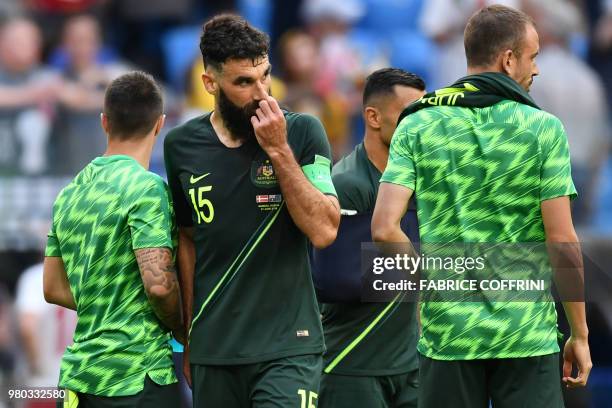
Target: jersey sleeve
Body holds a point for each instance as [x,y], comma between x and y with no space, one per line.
[53,245]
[150,217]
[400,166]
[179,200]
[351,193]
[556,172]
[315,157]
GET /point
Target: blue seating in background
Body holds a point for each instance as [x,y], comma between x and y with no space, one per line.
[180,47]
[386,15]
[256,12]
[412,51]
[370,45]
[406,49]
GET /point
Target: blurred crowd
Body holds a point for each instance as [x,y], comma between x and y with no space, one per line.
[56,57]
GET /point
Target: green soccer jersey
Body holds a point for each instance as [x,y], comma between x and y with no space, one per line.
[479,175]
[367,339]
[254,299]
[112,207]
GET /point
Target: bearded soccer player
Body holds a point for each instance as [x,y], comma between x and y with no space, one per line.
[487,165]
[109,256]
[251,186]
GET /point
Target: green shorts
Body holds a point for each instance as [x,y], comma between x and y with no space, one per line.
[283,383]
[391,391]
[152,395]
[530,382]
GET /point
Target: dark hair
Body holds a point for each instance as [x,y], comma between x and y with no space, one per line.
[491,30]
[132,103]
[228,36]
[382,81]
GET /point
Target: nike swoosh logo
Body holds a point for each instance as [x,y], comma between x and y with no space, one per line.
[196,179]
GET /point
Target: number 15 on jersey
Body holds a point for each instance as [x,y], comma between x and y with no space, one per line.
[309,398]
[202,205]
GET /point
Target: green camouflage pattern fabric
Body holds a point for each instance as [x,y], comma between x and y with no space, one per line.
[479,175]
[111,208]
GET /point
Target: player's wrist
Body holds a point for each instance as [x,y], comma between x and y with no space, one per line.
[278,152]
[579,335]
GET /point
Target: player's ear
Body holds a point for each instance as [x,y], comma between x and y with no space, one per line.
[160,124]
[210,82]
[508,62]
[372,117]
[104,122]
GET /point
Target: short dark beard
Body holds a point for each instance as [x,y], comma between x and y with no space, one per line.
[237,119]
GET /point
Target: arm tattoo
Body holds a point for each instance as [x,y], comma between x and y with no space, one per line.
[161,285]
[157,268]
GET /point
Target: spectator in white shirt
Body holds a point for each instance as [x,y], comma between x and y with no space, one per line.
[46,330]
